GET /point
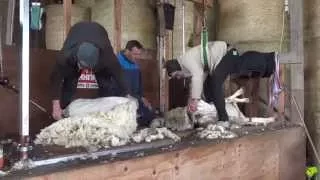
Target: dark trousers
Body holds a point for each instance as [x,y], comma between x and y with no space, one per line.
[213,86]
[69,87]
[249,64]
[145,115]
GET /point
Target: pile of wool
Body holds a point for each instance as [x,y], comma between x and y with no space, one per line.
[176,119]
[214,131]
[151,134]
[93,123]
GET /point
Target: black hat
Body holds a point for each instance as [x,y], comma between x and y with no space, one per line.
[88,55]
[172,66]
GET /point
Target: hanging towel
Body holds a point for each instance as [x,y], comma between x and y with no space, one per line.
[276,86]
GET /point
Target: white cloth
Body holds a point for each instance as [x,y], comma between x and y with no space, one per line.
[276,86]
[191,62]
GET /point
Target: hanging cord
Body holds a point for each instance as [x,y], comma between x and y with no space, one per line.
[276,88]
[1,57]
[282,29]
[303,124]
[293,97]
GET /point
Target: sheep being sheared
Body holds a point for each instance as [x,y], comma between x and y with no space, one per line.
[178,119]
[93,123]
[207,113]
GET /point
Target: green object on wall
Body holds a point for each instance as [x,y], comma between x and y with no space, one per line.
[36,14]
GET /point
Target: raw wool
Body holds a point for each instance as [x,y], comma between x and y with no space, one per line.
[157,122]
[121,110]
[205,114]
[177,119]
[82,107]
[213,131]
[152,134]
[104,127]
[235,115]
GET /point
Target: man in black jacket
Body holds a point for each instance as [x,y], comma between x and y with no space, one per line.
[87,46]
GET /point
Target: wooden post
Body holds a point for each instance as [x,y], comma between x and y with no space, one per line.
[197,24]
[168,55]
[198,18]
[297,48]
[162,55]
[67,4]
[117,24]
[10,24]
[295,57]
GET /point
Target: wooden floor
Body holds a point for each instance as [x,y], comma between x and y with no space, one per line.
[271,156]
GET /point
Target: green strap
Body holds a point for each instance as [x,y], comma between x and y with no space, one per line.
[35,16]
[204,45]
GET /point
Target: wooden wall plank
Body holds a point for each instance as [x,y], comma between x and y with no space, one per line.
[272,155]
[67,5]
[117,24]
[197,24]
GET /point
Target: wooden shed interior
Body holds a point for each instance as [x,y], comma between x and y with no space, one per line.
[247,24]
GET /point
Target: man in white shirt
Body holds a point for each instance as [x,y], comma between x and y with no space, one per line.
[223,60]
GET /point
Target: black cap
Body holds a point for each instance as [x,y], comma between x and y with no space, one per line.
[172,66]
[88,55]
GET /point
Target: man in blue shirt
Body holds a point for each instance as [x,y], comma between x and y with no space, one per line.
[132,74]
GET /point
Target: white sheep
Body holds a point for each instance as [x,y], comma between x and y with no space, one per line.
[207,113]
[178,119]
